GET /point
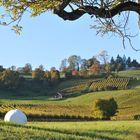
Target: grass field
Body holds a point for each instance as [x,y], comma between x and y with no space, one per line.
[102,130]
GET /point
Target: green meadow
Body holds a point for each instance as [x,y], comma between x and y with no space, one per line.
[98,130]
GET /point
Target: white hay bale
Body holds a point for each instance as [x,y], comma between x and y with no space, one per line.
[15,116]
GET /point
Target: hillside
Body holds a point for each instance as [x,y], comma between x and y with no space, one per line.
[128,102]
[130,73]
[77,99]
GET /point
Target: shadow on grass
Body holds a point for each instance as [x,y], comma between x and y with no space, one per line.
[134,83]
[43,98]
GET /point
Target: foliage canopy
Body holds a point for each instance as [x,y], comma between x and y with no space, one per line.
[103,11]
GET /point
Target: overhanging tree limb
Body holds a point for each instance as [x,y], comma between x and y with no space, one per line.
[97,11]
[103,10]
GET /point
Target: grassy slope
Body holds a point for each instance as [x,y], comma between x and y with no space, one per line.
[128,101]
[130,73]
[72,131]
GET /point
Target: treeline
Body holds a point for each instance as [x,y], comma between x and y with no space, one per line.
[123,63]
[76,66]
[35,80]
[72,67]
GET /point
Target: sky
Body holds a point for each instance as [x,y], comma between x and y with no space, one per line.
[47,39]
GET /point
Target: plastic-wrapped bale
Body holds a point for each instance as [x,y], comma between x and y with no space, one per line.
[15,116]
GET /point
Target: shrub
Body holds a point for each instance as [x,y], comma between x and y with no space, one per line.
[104,108]
[137,117]
[111,88]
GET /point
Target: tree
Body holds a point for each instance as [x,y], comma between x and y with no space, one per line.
[9,79]
[13,68]
[47,75]
[84,64]
[108,69]
[63,64]
[103,56]
[128,62]
[92,61]
[27,68]
[112,61]
[41,67]
[1,68]
[38,74]
[68,72]
[119,59]
[120,63]
[55,75]
[134,63]
[113,64]
[74,62]
[103,11]
[124,59]
[89,62]
[104,108]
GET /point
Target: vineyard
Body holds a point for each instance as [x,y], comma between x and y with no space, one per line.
[81,88]
[45,112]
[109,84]
[67,87]
[97,85]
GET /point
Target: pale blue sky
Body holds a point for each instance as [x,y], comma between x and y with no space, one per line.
[47,40]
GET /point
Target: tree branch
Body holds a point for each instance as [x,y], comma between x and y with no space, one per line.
[97,11]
